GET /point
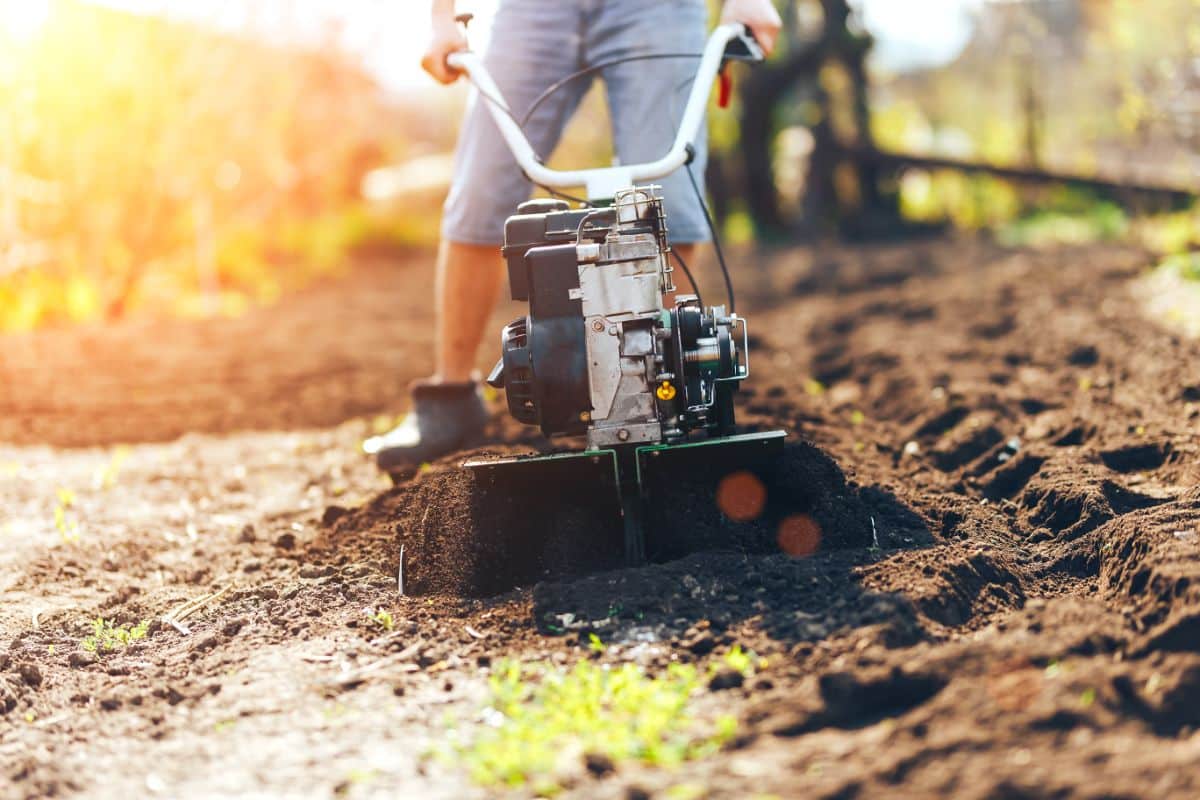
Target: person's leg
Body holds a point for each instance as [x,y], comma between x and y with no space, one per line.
[647,98]
[533,44]
[467,287]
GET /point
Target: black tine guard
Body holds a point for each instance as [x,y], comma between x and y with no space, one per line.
[629,477]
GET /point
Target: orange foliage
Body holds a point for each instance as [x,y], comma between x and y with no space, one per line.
[147,163]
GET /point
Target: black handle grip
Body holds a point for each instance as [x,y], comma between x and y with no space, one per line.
[744,48]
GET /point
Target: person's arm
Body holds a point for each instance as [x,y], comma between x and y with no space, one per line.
[759,16]
[446,38]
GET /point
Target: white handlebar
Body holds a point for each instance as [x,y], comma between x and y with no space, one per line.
[603,182]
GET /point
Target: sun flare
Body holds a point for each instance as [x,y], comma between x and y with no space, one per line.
[21,20]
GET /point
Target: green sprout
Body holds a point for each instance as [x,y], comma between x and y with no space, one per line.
[106,477]
[64,519]
[106,636]
[383,618]
[746,662]
[355,777]
[540,714]
[595,644]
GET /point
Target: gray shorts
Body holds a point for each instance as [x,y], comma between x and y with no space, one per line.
[536,43]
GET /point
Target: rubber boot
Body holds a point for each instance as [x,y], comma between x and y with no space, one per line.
[444,418]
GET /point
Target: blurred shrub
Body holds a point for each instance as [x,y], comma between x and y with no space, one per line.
[1185,265]
[1170,234]
[1099,222]
[186,167]
[969,201]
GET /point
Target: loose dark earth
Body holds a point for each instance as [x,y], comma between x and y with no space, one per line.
[993,454]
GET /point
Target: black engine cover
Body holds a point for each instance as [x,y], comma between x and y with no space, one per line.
[545,354]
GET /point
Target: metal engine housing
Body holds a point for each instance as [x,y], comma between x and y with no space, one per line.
[600,353]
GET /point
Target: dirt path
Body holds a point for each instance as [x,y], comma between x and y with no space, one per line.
[999,454]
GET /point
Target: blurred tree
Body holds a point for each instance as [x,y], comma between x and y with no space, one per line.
[819,83]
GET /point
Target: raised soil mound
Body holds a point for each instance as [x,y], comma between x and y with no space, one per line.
[462,535]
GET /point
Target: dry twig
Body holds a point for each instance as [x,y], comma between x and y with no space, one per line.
[176,617]
[400,572]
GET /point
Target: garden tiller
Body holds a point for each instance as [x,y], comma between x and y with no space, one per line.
[603,353]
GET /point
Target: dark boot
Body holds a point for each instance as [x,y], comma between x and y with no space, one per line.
[444,417]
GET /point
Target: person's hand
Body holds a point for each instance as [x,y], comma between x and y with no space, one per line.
[759,16]
[447,38]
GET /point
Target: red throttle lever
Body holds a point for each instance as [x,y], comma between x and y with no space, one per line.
[724,89]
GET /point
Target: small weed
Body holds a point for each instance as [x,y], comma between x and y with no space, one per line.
[335,711]
[64,519]
[739,660]
[382,618]
[106,477]
[1087,697]
[355,777]
[686,791]
[106,636]
[814,387]
[595,644]
[543,714]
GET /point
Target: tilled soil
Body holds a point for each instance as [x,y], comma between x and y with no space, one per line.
[992,470]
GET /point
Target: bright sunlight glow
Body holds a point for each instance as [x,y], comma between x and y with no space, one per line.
[21,20]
